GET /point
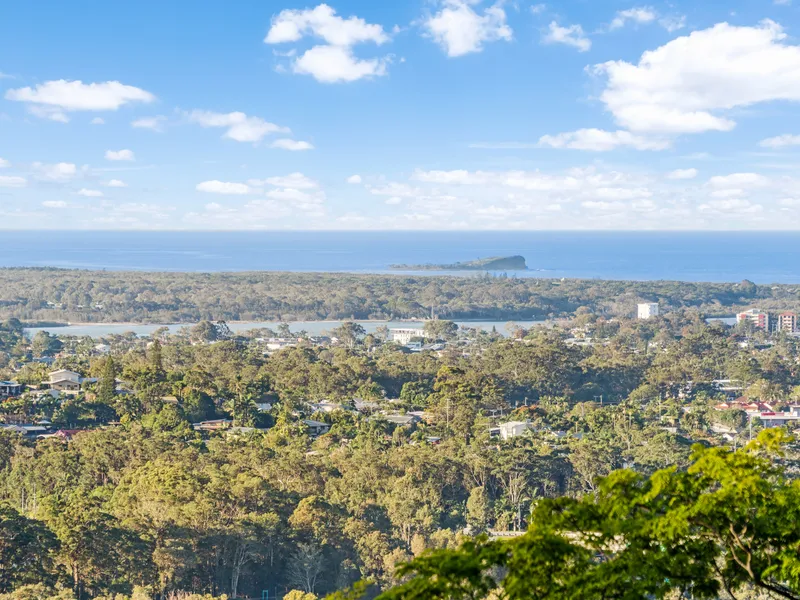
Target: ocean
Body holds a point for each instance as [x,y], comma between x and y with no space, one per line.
[762,257]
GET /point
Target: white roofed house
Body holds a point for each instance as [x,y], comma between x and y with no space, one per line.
[64,380]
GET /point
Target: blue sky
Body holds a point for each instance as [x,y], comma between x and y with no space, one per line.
[422,114]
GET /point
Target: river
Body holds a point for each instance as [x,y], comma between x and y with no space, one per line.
[99,330]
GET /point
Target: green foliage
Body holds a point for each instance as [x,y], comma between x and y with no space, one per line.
[729,522]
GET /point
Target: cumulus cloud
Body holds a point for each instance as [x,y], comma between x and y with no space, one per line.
[54,99]
[10,181]
[598,140]
[323,22]
[780,141]
[334,61]
[293,180]
[335,64]
[89,193]
[54,204]
[153,123]
[4,164]
[120,155]
[97,121]
[224,187]
[738,180]
[293,145]
[641,15]
[683,86]
[238,126]
[58,172]
[459,29]
[354,179]
[682,174]
[116,183]
[394,200]
[571,36]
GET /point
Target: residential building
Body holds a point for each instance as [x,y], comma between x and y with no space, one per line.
[9,389]
[758,318]
[511,429]
[65,381]
[404,335]
[316,428]
[647,310]
[787,322]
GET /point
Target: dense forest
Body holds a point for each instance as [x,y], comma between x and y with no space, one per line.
[99,296]
[136,502]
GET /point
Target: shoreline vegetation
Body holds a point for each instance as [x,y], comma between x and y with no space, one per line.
[494,263]
[44,295]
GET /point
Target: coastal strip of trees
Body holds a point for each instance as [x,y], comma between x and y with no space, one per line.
[58,295]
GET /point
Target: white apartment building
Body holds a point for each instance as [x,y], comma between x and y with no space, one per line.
[647,310]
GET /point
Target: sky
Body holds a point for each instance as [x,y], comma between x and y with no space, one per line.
[419,114]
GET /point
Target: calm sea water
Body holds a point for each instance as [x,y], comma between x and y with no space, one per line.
[763,257]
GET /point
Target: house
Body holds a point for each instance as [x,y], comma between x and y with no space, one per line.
[327,407]
[65,381]
[398,419]
[9,389]
[404,335]
[511,429]
[102,349]
[778,419]
[316,428]
[66,434]
[212,425]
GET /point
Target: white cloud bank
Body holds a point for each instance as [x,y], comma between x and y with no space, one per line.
[238,126]
[54,99]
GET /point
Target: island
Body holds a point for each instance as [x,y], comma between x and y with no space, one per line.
[494,263]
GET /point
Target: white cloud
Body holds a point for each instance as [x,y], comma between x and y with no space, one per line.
[460,30]
[334,61]
[571,36]
[54,204]
[90,193]
[602,205]
[728,193]
[337,64]
[402,190]
[224,187]
[781,141]
[323,22]
[732,205]
[682,86]
[53,99]
[354,179]
[97,121]
[120,155]
[238,125]
[293,180]
[12,181]
[538,9]
[599,140]
[293,145]
[4,164]
[116,183]
[58,172]
[641,15]
[738,180]
[790,202]
[394,200]
[673,23]
[682,174]
[153,123]
[782,2]
[296,196]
